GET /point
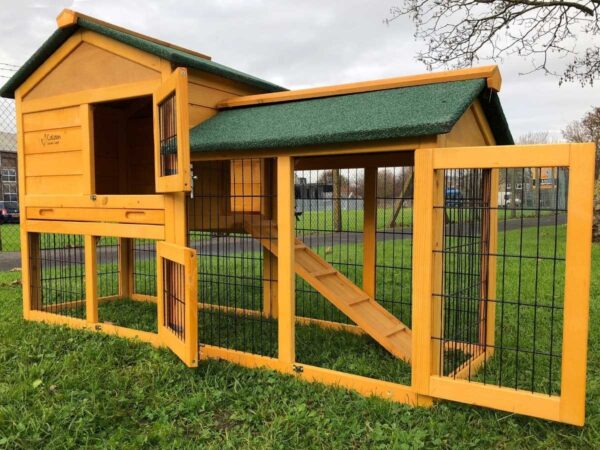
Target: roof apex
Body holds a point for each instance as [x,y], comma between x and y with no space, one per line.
[68,18]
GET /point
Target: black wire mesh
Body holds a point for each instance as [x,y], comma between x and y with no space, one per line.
[167,117]
[511,335]
[107,266]
[229,224]
[57,273]
[393,267]
[329,220]
[144,267]
[174,297]
[330,214]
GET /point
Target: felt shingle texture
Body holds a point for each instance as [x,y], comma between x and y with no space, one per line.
[393,113]
[177,57]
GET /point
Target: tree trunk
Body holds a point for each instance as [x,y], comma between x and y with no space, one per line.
[337,201]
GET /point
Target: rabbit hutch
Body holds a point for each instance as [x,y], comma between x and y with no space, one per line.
[385,236]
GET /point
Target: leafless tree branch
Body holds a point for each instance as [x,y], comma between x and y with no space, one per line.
[460,33]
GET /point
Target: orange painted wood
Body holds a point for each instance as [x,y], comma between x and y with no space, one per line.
[490,73]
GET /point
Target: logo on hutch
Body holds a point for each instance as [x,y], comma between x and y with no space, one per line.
[51,139]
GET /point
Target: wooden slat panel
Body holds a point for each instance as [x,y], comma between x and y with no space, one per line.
[156,217]
[61,163]
[49,120]
[99,201]
[60,184]
[51,141]
[97,229]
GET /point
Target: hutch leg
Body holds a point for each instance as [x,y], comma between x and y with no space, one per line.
[285,237]
[437,270]
[370,231]
[91,279]
[31,272]
[269,211]
[125,263]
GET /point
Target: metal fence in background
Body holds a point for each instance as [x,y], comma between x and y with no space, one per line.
[9,226]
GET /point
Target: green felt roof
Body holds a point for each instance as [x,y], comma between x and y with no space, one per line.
[179,57]
[393,113]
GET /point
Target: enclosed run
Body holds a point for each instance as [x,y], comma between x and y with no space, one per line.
[384,236]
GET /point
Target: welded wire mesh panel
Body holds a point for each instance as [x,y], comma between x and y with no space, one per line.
[144,267]
[174,297]
[500,300]
[329,220]
[331,209]
[9,222]
[57,273]
[393,267]
[231,225]
[107,266]
[167,117]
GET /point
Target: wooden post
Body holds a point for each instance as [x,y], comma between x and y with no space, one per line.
[490,318]
[125,265]
[285,264]
[370,231]
[91,279]
[437,273]
[269,211]
[31,272]
[422,310]
[577,283]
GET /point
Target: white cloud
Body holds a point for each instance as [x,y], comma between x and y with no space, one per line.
[297,44]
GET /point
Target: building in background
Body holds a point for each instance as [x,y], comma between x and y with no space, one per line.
[8,172]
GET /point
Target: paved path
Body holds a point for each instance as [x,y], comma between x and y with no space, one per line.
[11,260]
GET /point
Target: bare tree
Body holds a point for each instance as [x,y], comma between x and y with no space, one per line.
[588,130]
[459,33]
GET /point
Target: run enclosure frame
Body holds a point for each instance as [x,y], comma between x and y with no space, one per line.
[427,384]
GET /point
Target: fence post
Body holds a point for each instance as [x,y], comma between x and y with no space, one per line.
[422,312]
[91,280]
[285,262]
[370,231]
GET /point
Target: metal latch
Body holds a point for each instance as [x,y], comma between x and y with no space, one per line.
[192,178]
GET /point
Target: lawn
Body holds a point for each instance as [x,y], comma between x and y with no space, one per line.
[62,388]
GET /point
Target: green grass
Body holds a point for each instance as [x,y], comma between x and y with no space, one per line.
[352,219]
[62,388]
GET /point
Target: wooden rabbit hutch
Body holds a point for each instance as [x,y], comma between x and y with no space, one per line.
[358,235]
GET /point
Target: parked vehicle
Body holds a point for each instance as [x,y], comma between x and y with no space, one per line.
[453,196]
[9,212]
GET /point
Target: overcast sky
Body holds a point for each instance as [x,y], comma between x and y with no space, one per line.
[295,44]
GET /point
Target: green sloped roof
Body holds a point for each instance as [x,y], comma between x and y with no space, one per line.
[179,57]
[393,113]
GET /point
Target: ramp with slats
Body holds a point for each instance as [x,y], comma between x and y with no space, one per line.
[373,318]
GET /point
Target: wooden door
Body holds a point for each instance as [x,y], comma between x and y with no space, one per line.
[177,292]
[172,134]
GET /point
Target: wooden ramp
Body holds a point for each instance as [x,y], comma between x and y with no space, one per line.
[373,318]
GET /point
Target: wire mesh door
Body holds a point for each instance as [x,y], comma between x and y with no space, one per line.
[511,240]
[177,300]
[171,134]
